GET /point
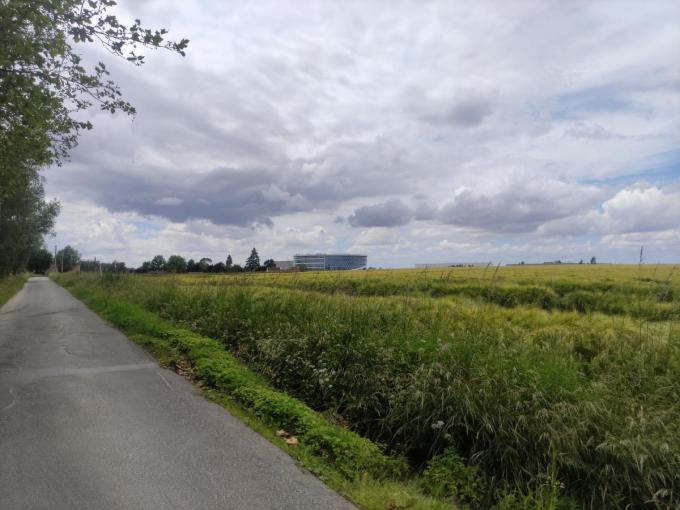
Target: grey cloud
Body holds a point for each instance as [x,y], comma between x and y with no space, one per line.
[239,196]
[425,211]
[224,196]
[469,113]
[465,110]
[520,208]
[392,213]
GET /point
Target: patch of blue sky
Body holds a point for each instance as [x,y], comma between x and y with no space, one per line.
[659,168]
[146,227]
[605,98]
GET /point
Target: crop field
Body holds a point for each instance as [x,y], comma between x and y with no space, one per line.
[508,387]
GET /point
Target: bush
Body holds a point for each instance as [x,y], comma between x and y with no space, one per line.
[40,261]
[447,476]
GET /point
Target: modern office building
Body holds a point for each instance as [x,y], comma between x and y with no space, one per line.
[329,261]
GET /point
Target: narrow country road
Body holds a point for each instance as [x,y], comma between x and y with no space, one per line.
[89,421]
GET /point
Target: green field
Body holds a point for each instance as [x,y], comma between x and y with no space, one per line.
[519,387]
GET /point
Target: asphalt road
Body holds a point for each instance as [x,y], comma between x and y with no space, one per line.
[88,420]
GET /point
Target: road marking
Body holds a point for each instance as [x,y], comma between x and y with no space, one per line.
[42,373]
[165,380]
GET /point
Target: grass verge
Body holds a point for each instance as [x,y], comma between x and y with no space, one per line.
[354,466]
[9,286]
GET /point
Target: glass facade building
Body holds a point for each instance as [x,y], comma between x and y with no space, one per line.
[329,261]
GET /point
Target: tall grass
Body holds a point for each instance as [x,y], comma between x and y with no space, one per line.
[10,285]
[537,401]
[649,296]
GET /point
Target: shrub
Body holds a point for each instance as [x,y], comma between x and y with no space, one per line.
[446,476]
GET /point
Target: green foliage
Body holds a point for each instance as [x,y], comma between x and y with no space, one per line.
[40,261]
[97,266]
[44,84]
[9,286]
[157,263]
[253,262]
[43,81]
[67,259]
[25,216]
[447,477]
[176,264]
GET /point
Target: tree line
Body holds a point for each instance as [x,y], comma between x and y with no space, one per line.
[68,258]
[45,86]
[178,264]
[41,260]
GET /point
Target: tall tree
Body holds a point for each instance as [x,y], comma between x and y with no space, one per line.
[25,217]
[204,264]
[44,87]
[44,82]
[229,263]
[158,263]
[253,262]
[192,267]
[40,261]
[176,264]
[67,258]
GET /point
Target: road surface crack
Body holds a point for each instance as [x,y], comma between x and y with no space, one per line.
[12,403]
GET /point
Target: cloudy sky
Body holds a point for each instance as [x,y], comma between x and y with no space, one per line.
[410,131]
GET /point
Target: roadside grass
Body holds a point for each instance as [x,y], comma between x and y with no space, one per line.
[517,406]
[10,285]
[354,466]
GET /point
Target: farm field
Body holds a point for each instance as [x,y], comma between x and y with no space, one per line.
[508,387]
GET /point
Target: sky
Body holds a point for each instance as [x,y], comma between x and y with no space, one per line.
[409,131]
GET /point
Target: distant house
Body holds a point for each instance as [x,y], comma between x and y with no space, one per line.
[284,265]
[452,264]
[329,261]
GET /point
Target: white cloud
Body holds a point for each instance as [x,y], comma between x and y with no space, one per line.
[398,115]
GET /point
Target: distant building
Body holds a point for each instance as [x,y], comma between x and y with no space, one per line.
[329,261]
[284,265]
[452,264]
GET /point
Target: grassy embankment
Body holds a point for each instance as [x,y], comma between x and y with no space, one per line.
[10,285]
[518,387]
